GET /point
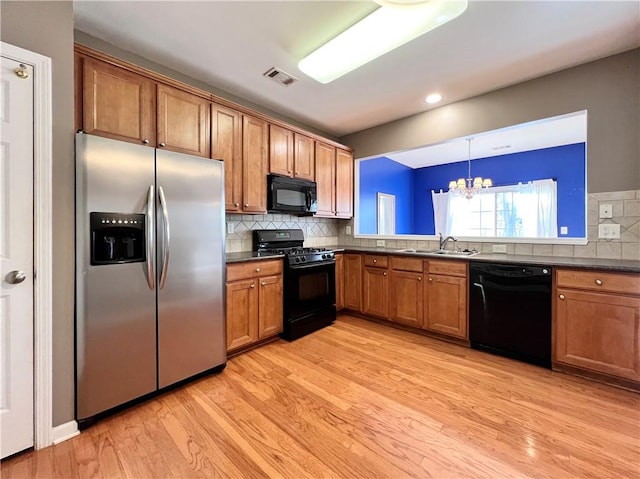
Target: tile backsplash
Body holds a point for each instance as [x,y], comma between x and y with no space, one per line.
[626,213]
[317,231]
[327,231]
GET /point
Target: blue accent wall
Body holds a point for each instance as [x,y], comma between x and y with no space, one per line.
[566,164]
[385,176]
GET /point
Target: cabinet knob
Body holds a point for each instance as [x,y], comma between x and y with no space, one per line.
[562,296]
[253,285]
[419,278]
[263,284]
[145,141]
[384,274]
[431,280]
[257,270]
[599,282]
[236,204]
[246,205]
[163,144]
[375,260]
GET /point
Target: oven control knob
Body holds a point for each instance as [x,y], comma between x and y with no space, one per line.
[324,256]
[297,259]
[304,258]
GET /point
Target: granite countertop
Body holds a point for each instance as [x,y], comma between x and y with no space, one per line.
[243,256]
[627,266]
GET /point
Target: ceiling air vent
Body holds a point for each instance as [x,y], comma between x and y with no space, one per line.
[280,76]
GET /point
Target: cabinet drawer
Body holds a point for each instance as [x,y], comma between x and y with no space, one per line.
[406,264]
[377,261]
[598,281]
[453,268]
[252,269]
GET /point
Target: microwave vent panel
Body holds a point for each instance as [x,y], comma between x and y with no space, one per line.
[279,76]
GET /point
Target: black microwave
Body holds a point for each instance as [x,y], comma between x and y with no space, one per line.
[291,195]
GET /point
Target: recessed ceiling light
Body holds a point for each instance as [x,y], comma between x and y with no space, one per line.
[373,36]
[434,98]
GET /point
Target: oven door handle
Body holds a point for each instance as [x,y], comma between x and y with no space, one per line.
[311,265]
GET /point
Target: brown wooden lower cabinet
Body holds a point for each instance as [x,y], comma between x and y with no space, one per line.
[375,292]
[445,305]
[597,322]
[353,281]
[406,291]
[254,302]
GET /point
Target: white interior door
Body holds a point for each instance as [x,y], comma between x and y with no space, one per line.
[16,257]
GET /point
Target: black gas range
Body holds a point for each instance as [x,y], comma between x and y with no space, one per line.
[309,281]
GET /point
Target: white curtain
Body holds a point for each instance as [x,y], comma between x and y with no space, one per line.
[440,212]
[533,212]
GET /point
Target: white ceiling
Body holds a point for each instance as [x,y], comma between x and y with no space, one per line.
[547,133]
[231,44]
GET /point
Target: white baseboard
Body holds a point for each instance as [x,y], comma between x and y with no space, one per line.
[64,431]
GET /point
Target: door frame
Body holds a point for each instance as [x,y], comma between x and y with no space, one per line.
[42,241]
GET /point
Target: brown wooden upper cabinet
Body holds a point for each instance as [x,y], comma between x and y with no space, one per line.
[334,175]
[326,177]
[117,103]
[124,105]
[344,183]
[304,157]
[183,122]
[280,151]
[291,154]
[255,144]
[226,145]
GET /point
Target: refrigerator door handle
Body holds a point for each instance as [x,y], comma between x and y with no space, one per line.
[150,229]
[166,239]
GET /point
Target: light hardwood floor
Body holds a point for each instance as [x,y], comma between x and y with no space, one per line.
[363,400]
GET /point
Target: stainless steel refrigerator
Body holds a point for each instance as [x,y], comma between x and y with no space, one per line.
[149,271]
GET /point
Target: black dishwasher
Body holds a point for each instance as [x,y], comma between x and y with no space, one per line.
[510,310]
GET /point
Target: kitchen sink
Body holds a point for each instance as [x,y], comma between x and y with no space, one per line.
[439,252]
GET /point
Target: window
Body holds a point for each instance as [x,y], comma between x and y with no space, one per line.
[520,211]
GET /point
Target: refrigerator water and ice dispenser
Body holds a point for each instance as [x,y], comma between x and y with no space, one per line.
[117,238]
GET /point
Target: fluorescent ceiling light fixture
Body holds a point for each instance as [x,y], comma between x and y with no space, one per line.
[384,30]
[434,98]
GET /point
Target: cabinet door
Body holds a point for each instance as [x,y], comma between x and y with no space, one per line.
[353,281]
[255,139]
[325,178]
[406,292]
[446,305]
[242,313]
[375,287]
[226,145]
[183,122]
[118,104]
[280,150]
[597,331]
[304,157]
[344,184]
[270,308]
[339,282]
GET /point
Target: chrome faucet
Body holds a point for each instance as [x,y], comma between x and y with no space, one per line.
[443,242]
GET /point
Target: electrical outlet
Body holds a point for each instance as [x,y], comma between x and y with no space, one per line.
[347,230]
[609,231]
[379,242]
[564,230]
[231,228]
[499,248]
[606,210]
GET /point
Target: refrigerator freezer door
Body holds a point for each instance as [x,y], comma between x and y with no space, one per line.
[115,305]
[191,321]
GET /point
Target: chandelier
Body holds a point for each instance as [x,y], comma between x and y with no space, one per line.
[469,186]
